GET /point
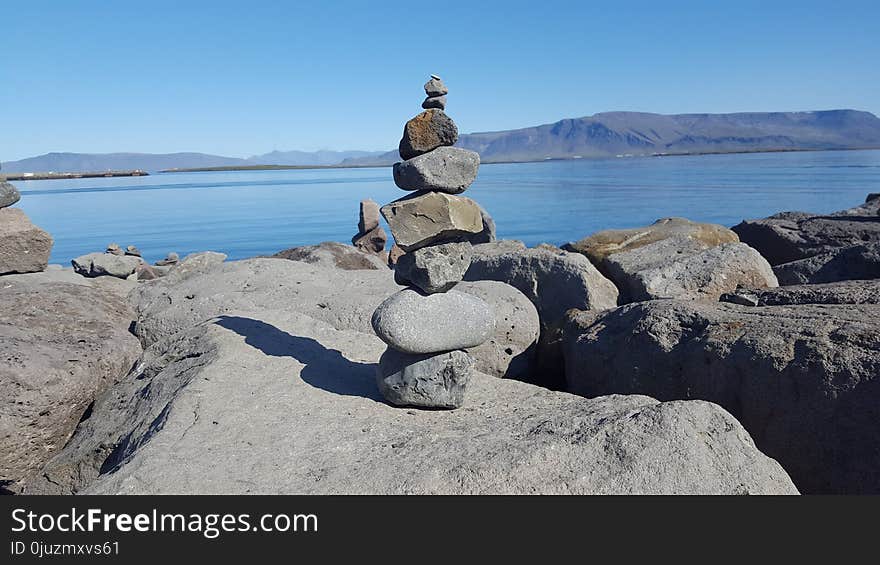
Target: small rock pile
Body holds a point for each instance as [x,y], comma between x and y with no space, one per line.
[428,325]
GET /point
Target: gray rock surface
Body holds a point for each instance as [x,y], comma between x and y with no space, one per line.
[445,169]
[171,259]
[844,292]
[132,251]
[437,268]
[114,249]
[487,235]
[372,242]
[9,195]
[24,247]
[212,410]
[435,87]
[61,345]
[147,272]
[510,352]
[686,269]
[438,102]
[334,255]
[432,380]
[804,380]
[344,299]
[424,218]
[368,216]
[106,264]
[554,280]
[791,236]
[841,264]
[427,131]
[195,263]
[412,322]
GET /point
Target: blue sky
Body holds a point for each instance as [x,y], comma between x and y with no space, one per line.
[242,78]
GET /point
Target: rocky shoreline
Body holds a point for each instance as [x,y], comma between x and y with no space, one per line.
[674,358]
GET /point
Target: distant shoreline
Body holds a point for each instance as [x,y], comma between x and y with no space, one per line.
[62,176]
[232,168]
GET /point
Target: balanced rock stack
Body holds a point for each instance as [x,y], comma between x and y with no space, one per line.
[428,325]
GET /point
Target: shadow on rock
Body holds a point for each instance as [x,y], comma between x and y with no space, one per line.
[324,368]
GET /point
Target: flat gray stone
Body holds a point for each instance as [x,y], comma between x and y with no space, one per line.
[424,218]
[436,268]
[435,87]
[9,195]
[412,322]
[433,380]
[368,216]
[445,169]
[106,264]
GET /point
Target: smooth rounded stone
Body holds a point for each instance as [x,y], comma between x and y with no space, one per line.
[433,380]
[114,249]
[435,87]
[24,247]
[438,102]
[368,216]
[106,264]
[424,218]
[445,169]
[334,255]
[170,259]
[371,242]
[436,268]
[413,322]
[132,251]
[9,195]
[427,131]
[510,352]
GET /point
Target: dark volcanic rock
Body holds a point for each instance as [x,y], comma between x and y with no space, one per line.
[438,102]
[804,380]
[61,345]
[427,131]
[845,263]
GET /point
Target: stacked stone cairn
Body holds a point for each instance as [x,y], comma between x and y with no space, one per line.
[429,325]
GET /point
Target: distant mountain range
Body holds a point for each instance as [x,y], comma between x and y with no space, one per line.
[602,135]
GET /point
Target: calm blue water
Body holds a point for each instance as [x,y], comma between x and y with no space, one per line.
[253,213]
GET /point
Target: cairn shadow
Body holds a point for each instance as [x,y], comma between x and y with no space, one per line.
[324,368]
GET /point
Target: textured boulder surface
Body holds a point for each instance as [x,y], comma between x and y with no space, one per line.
[791,236]
[371,242]
[61,345]
[804,380]
[277,401]
[334,255]
[445,169]
[428,380]
[413,322]
[427,131]
[24,248]
[845,292]
[608,242]
[9,195]
[510,352]
[686,269]
[424,218]
[437,268]
[106,264]
[844,263]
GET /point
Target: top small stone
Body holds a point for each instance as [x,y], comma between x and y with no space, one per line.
[435,87]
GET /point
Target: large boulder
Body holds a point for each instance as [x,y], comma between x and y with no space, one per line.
[510,351]
[24,248]
[804,380]
[335,256]
[791,236]
[844,263]
[9,195]
[276,402]
[686,269]
[62,345]
[424,218]
[106,264]
[344,299]
[600,245]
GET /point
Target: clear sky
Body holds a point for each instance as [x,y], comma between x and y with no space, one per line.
[246,77]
